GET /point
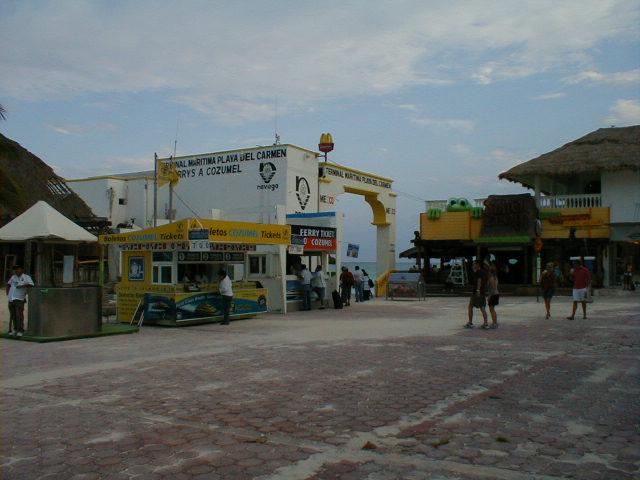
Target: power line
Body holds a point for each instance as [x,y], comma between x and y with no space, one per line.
[186,204]
[410,196]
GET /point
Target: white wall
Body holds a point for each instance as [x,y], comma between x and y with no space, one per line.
[302,182]
[621,193]
[241,194]
[94,194]
[103,195]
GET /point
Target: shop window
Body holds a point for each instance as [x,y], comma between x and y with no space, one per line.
[257,265]
[162,268]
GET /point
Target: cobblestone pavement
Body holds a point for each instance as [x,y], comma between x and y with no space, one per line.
[380,390]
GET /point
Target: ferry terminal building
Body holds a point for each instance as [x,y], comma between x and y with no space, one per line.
[280,184]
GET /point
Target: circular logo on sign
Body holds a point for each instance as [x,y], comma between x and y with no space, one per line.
[267,171]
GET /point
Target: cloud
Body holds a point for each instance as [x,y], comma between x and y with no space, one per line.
[462,125]
[461,150]
[615,78]
[76,129]
[624,113]
[230,60]
[503,158]
[549,96]
[403,106]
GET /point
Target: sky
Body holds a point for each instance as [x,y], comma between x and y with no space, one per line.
[439,96]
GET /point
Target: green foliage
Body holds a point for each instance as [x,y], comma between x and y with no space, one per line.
[476,212]
[434,213]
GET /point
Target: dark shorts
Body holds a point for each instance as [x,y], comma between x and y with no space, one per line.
[478,301]
[494,300]
[548,294]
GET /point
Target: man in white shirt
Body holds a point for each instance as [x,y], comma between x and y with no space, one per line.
[305,280]
[358,276]
[224,287]
[319,284]
[17,290]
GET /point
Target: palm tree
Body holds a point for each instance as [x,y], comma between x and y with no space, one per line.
[3,113]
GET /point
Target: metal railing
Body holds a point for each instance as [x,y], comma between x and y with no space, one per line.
[571,201]
[442,204]
[550,201]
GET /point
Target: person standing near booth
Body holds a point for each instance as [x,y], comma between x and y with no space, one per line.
[346,284]
[17,290]
[224,287]
[319,284]
[305,280]
[358,278]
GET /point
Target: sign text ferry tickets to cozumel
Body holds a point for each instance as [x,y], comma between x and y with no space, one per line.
[219,231]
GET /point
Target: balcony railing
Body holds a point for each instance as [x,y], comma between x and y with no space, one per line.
[550,201]
[442,204]
[571,201]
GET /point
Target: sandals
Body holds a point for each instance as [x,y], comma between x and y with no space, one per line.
[570,318]
[494,326]
[485,326]
[468,325]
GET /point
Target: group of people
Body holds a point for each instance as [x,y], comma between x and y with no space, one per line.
[316,282]
[312,282]
[580,293]
[358,281]
[485,291]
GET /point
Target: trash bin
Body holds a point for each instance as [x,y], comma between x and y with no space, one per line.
[64,311]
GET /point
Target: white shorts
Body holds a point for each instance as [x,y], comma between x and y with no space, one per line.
[579,294]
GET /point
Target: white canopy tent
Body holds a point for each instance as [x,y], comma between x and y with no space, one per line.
[44,224]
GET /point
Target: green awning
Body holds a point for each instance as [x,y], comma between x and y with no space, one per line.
[502,240]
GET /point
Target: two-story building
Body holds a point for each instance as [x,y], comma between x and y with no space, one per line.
[585,203]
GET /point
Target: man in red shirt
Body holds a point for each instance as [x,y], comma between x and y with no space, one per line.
[581,282]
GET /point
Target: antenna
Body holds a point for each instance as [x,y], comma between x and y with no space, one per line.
[275,122]
[171,192]
[175,142]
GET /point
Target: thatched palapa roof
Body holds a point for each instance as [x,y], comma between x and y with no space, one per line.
[606,149]
[25,179]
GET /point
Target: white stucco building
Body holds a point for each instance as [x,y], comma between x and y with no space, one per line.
[268,184]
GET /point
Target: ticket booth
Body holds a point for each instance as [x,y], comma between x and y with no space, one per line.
[170,272]
[314,241]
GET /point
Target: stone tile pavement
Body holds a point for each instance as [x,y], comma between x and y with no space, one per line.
[380,390]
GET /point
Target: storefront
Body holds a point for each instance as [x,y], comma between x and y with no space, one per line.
[517,237]
[170,272]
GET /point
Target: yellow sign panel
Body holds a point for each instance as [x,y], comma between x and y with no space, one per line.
[219,231]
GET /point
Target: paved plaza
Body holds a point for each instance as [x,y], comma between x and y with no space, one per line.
[380,390]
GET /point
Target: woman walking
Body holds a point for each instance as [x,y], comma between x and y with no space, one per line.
[548,286]
[494,296]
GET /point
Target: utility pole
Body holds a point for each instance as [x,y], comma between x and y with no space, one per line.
[155,189]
